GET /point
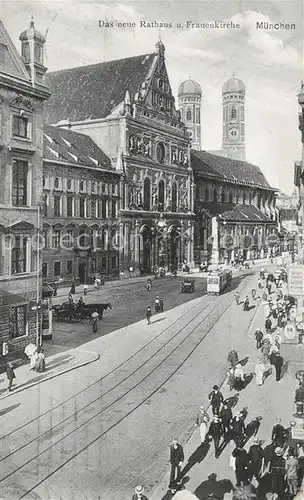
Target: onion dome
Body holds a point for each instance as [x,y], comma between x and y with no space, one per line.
[31,33]
[189,87]
[234,85]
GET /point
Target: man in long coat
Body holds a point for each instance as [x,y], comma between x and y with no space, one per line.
[216,399]
[232,358]
[241,466]
[255,456]
[226,417]
[176,460]
[216,431]
[278,474]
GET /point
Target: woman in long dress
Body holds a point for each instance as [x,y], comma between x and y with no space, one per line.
[259,371]
[239,378]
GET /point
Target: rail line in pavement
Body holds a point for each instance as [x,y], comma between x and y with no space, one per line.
[125,393]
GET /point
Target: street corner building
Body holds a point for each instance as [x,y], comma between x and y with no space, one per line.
[127,107]
[22,95]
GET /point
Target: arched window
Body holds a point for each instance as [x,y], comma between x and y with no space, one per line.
[147,194]
[244,198]
[161,195]
[215,195]
[237,198]
[230,197]
[233,113]
[189,115]
[223,196]
[206,194]
[198,115]
[174,197]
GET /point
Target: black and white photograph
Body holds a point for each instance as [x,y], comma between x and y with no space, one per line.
[152,250]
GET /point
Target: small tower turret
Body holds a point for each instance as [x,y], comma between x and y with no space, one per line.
[32,42]
[190,102]
[233,94]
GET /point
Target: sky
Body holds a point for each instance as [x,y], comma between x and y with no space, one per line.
[270,62]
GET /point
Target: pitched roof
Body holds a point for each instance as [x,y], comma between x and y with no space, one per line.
[226,169]
[11,61]
[71,147]
[89,92]
[236,213]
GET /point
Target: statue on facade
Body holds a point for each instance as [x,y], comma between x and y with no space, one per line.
[131,143]
[181,157]
[139,145]
[173,156]
[161,102]
[147,148]
[154,199]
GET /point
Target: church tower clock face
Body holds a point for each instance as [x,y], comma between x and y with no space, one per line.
[234,133]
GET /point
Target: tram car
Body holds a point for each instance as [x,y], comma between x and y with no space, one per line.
[217,281]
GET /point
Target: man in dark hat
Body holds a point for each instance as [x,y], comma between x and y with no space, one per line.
[237,428]
[278,434]
[216,399]
[216,431]
[278,363]
[253,427]
[255,456]
[259,337]
[241,466]
[10,375]
[226,417]
[232,358]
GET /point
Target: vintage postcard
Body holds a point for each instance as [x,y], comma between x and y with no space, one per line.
[151,250]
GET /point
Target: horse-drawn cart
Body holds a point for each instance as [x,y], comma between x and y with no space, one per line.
[72,312]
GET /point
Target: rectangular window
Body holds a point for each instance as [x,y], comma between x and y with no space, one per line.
[94,208]
[93,265]
[19,183]
[69,267]
[104,209]
[82,207]
[18,325]
[104,263]
[57,268]
[56,239]
[70,206]
[57,206]
[44,270]
[45,205]
[19,255]
[113,209]
[20,126]
[45,239]
[114,262]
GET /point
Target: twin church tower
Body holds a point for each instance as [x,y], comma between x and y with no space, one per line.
[233,102]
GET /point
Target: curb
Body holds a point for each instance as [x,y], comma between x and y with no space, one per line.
[94,358]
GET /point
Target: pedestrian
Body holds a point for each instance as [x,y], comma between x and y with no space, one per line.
[255,457]
[253,427]
[73,288]
[176,460]
[278,363]
[239,378]
[237,298]
[148,315]
[246,303]
[226,417]
[232,358]
[241,466]
[139,493]
[258,337]
[216,399]
[161,304]
[40,362]
[260,283]
[278,472]
[231,378]
[278,434]
[237,428]
[265,349]
[268,325]
[216,431]
[292,471]
[259,371]
[85,289]
[202,421]
[149,285]
[253,293]
[94,317]
[10,375]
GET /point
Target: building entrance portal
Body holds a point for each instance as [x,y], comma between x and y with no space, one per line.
[82,272]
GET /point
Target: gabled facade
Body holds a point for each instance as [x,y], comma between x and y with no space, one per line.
[21,153]
[132,117]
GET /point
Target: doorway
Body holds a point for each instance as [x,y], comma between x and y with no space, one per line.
[82,272]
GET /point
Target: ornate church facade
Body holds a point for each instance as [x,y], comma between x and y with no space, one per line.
[134,120]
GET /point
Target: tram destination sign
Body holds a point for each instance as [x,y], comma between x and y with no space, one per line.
[296,280]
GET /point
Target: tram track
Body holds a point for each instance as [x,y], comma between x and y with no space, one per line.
[101,379]
[215,310]
[117,384]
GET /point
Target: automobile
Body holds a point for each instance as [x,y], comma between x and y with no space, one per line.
[48,291]
[188,286]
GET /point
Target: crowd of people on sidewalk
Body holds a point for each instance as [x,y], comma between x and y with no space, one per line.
[271,470]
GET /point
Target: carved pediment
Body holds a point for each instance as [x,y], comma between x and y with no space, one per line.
[21,102]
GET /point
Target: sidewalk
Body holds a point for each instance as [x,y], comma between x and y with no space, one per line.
[55,366]
[272,401]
